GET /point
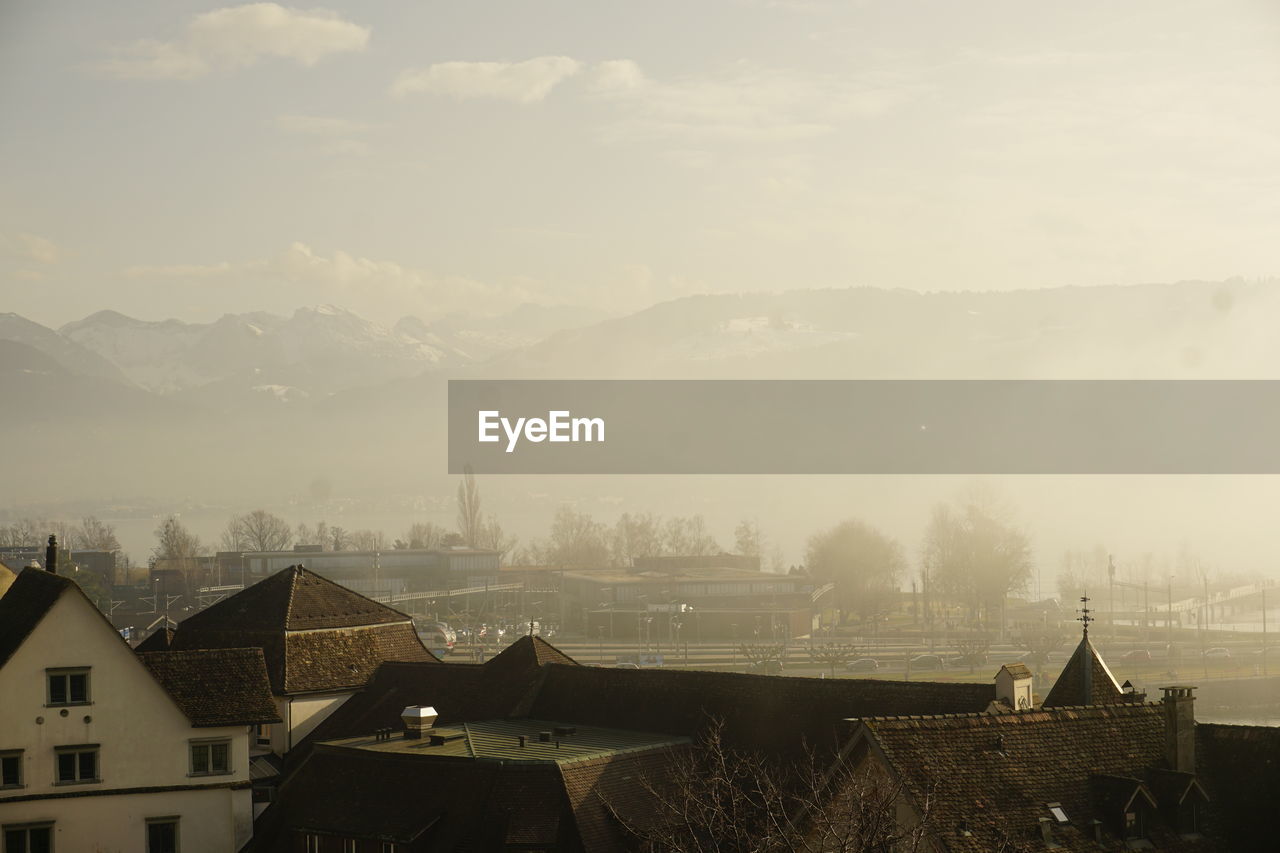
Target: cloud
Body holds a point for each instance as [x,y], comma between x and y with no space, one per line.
[523,82]
[616,75]
[41,250]
[237,37]
[321,125]
[369,286]
[739,102]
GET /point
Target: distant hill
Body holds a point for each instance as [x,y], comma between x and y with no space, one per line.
[1186,330]
[65,352]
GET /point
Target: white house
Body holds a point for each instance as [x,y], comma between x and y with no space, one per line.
[102,751]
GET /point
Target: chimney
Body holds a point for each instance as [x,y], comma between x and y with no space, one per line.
[1179,728]
[1013,686]
[417,719]
[51,556]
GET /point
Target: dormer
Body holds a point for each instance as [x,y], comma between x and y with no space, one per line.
[1013,686]
[1126,807]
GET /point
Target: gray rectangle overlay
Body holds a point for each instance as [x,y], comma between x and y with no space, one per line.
[874,427]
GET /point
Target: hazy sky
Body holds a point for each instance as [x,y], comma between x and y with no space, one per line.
[191,158]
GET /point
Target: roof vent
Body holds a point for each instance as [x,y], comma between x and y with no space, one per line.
[565,731]
[418,718]
[544,737]
[51,556]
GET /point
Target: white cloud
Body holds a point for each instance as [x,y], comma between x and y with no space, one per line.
[369,286]
[236,37]
[321,125]
[524,82]
[616,75]
[41,250]
[739,102]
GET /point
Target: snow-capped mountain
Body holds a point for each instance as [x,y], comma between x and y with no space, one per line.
[314,352]
[67,353]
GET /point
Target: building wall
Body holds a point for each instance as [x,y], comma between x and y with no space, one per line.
[304,713]
[144,739]
[209,821]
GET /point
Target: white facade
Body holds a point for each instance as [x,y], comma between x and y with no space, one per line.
[144,766]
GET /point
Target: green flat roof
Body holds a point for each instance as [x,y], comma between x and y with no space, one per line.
[500,740]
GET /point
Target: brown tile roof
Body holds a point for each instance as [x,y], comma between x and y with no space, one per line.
[293,599]
[1240,769]
[216,687]
[25,604]
[601,788]
[997,773]
[1017,670]
[778,714]
[314,634]
[1072,686]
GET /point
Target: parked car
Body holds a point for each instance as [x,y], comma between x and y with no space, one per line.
[1136,655]
[626,666]
[863,665]
[1217,653]
[927,662]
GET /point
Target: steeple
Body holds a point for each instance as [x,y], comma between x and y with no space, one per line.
[1085,680]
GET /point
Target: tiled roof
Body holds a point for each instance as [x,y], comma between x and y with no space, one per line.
[314,634]
[1017,670]
[528,651]
[216,687]
[599,789]
[293,599]
[1240,769]
[995,774]
[769,712]
[1072,686]
[25,604]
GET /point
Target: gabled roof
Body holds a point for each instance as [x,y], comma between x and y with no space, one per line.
[29,598]
[995,774]
[294,599]
[1085,680]
[216,687]
[1016,670]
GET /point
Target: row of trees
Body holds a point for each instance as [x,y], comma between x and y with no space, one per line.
[88,534]
[972,553]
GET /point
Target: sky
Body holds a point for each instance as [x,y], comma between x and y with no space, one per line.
[188,159]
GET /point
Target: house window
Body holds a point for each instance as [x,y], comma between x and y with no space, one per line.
[11,768]
[313,844]
[77,763]
[32,838]
[388,847]
[1134,825]
[68,686]
[262,734]
[210,757]
[349,846]
[162,835]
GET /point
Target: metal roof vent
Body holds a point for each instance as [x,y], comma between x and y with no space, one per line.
[418,718]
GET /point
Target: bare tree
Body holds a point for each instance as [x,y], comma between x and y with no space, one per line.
[714,797]
[179,548]
[748,539]
[688,536]
[577,539]
[368,540]
[338,539]
[94,535]
[638,535]
[864,564]
[424,535]
[258,530]
[469,517]
[833,655]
